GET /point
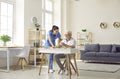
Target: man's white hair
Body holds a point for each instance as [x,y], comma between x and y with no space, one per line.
[68,32]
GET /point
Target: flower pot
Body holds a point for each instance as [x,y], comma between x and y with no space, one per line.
[4,44]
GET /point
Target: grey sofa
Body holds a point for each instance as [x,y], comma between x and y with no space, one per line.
[101,52]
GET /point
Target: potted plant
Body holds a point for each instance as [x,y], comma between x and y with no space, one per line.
[84,30]
[5,38]
[37,26]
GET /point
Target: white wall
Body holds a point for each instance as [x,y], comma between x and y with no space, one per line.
[90,13]
[65,7]
[19,23]
[57,13]
[25,10]
[32,8]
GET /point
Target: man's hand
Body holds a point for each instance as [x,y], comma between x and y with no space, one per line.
[68,46]
[63,44]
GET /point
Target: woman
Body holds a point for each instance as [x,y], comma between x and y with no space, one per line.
[52,35]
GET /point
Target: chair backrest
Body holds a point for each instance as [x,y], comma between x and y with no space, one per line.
[25,51]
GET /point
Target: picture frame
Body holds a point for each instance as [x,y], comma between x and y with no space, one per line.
[116,24]
[103,25]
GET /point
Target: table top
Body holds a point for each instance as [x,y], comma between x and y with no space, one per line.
[5,48]
[58,50]
[11,46]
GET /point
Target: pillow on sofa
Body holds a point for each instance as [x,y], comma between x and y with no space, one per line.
[117,49]
[105,48]
[114,48]
[92,47]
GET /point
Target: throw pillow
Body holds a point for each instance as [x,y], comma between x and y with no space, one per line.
[117,49]
[114,48]
[105,48]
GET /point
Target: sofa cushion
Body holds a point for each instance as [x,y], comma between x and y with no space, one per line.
[102,54]
[114,48]
[90,54]
[114,54]
[92,47]
[105,48]
[82,52]
[117,49]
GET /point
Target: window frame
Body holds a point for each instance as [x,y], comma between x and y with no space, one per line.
[13,19]
[46,11]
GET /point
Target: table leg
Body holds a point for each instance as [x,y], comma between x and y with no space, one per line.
[73,66]
[68,61]
[48,65]
[41,63]
[8,64]
[76,65]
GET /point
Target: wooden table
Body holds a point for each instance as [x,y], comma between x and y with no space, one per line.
[66,51]
[7,50]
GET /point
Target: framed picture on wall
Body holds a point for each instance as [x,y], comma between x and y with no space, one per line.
[103,25]
[116,24]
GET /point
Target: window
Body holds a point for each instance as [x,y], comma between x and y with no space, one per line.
[47,14]
[6,19]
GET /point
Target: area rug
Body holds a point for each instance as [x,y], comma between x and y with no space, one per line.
[98,67]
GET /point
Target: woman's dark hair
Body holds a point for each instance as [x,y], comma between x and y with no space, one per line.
[54,28]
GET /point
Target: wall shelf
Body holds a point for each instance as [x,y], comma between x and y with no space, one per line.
[82,39]
[36,39]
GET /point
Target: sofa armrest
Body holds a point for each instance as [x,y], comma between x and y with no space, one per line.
[82,52]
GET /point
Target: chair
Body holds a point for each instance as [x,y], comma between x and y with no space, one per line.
[22,56]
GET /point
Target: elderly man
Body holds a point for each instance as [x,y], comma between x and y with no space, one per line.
[68,42]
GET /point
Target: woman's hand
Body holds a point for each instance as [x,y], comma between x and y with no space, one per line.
[52,47]
[58,45]
[68,46]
